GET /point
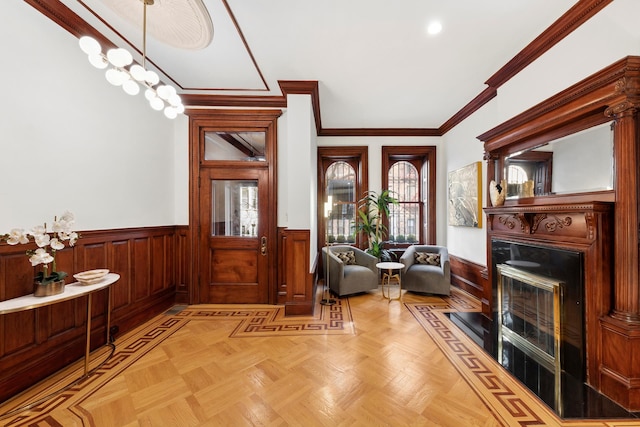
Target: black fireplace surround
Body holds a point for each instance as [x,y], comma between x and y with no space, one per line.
[573,399]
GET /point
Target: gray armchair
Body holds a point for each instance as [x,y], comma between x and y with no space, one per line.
[346,278]
[423,276]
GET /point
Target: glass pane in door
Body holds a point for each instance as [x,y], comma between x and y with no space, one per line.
[234,208]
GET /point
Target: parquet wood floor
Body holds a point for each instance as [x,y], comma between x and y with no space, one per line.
[362,362]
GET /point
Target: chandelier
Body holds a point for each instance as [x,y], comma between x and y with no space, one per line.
[161,97]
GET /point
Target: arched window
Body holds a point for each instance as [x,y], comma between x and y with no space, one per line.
[409,172]
[403,218]
[341,188]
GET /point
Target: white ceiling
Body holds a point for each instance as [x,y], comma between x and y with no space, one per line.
[360,51]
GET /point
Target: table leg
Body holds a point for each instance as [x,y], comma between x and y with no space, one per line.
[108,314]
[88,339]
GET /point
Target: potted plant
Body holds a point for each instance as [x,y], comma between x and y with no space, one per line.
[372,209]
[48,241]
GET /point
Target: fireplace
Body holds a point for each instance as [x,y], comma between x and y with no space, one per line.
[538,324]
[529,319]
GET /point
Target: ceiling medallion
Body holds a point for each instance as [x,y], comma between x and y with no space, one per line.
[184,24]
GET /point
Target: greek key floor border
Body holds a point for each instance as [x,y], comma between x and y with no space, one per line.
[510,402]
[254,321]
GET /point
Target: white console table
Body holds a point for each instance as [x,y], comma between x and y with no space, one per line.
[71,291]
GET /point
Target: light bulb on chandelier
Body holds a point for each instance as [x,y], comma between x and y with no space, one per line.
[160,96]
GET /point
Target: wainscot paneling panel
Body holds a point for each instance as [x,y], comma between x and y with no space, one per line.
[37,343]
[295,279]
[182,264]
[468,276]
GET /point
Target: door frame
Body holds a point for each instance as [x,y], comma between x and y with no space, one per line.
[201,120]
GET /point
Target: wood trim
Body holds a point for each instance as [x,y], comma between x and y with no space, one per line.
[295,277]
[468,276]
[182,264]
[580,13]
[379,132]
[36,343]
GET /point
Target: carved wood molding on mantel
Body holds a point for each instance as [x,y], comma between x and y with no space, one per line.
[574,222]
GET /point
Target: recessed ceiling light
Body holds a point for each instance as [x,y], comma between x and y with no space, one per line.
[434,27]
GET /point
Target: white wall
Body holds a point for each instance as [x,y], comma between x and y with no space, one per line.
[181,169]
[297,164]
[70,140]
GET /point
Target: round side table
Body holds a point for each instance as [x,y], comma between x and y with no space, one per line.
[388,276]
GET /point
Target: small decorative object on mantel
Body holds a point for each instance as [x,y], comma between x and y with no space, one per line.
[497,192]
[48,241]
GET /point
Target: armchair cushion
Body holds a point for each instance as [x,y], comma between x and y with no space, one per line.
[427,258]
[348,257]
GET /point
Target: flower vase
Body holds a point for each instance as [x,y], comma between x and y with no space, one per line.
[48,289]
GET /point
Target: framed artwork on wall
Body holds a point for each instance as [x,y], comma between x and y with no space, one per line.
[465,196]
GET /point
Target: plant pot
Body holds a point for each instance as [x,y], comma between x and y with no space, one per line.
[48,289]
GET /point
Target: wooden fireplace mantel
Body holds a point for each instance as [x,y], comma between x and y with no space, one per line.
[605,225]
[580,227]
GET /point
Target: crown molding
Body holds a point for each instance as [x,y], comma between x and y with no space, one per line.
[580,13]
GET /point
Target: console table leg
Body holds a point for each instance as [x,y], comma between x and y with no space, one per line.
[108,315]
[88,339]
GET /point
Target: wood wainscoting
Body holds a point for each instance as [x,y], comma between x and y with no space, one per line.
[469,276]
[296,279]
[36,343]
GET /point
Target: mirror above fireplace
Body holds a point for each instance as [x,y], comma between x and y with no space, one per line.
[578,163]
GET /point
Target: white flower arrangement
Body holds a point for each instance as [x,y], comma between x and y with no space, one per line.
[48,243]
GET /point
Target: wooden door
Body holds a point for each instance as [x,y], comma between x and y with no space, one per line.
[234,235]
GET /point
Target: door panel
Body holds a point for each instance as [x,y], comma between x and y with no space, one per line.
[234,236]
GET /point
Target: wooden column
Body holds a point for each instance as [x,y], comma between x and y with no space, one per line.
[626,302]
[620,368]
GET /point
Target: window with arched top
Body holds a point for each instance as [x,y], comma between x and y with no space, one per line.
[341,191]
[404,185]
[342,180]
[409,172]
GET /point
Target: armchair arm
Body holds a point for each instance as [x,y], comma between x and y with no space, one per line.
[366,260]
[445,264]
[408,258]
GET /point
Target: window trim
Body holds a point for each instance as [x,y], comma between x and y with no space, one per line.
[357,157]
[418,156]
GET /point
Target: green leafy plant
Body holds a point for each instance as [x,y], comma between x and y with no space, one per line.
[373,208]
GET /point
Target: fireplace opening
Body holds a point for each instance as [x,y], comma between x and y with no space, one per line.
[529,321]
[539,320]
